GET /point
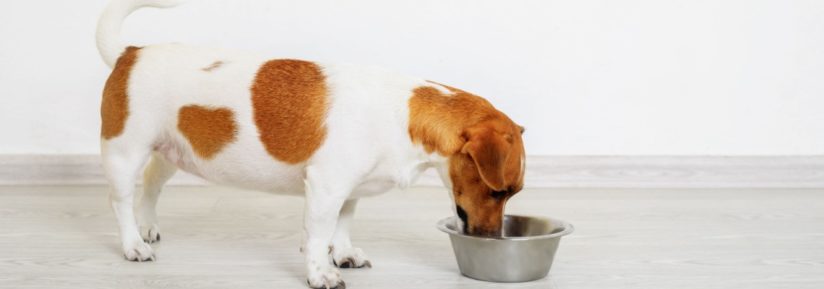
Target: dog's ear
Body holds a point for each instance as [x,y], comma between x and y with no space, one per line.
[490,150]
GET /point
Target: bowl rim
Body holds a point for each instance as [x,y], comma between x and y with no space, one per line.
[567,229]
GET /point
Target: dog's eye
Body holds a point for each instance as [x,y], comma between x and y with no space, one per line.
[499,194]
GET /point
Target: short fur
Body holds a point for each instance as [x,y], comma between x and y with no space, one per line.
[207,130]
[290,102]
[330,132]
[115,106]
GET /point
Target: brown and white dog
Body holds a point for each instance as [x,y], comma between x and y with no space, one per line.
[331,132]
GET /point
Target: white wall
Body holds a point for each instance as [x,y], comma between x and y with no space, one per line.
[690,77]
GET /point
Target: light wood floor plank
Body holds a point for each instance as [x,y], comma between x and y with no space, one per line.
[213,237]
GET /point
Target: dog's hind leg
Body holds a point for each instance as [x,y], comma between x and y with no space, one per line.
[122,162]
[343,254]
[157,172]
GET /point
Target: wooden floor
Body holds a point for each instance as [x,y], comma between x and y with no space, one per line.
[64,237]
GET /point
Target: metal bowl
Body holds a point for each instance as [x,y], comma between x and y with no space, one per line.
[524,252]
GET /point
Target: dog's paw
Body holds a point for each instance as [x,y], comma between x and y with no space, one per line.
[325,277]
[350,258]
[139,252]
[150,233]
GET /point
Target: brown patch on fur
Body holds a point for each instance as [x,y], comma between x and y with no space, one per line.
[484,148]
[289,98]
[484,213]
[208,130]
[114,110]
[213,66]
[437,120]
[486,173]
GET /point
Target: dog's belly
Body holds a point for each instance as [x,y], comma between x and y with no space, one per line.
[372,188]
[239,165]
[255,170]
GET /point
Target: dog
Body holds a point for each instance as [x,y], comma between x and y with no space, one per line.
[332,133]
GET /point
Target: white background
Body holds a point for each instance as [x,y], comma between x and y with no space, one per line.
[632,77]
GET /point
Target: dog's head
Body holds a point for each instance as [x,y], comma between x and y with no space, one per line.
[488,170]
[483,149]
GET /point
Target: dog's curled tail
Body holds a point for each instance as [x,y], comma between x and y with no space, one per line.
[108,27]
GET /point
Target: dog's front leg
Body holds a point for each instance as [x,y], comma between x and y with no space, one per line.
[343,254]
[324,199]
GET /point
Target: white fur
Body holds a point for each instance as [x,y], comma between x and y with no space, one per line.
[367,149]
[108,27]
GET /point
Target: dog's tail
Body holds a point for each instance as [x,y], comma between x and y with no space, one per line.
[108,27]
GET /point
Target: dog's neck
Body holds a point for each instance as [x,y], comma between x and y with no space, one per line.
[437,120]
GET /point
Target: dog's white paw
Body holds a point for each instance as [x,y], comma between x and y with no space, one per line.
[350,258]
[150,233]
[326,277]
[138,251]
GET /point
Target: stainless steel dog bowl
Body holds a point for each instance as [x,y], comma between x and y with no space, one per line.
[524,252]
